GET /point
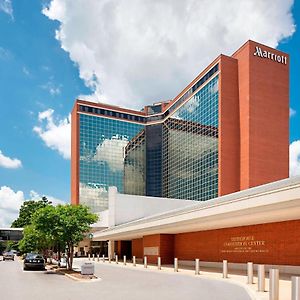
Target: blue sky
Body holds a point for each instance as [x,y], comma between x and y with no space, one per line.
[35,74]
[48,58]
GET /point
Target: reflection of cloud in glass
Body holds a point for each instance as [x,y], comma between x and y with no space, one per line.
[191,105]
[111,151]
[93,195]
[214,87]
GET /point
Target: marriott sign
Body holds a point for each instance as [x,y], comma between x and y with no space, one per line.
[269,55]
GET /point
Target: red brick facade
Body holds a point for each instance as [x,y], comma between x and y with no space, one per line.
[75,156]
[264,116]
[273,243]
[254,119]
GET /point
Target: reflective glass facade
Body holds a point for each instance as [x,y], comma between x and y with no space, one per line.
[135,165]
[190,147]
[175,157]
[102,144]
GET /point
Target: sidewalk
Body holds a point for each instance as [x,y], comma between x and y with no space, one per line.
[235,277]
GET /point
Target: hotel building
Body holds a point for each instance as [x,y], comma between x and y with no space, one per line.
[228,130]
[218,146]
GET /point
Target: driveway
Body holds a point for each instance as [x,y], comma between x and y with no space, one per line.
[117,283]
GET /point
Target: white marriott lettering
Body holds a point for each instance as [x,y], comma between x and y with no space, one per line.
[266,54]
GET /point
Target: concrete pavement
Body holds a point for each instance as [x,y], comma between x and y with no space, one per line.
[116,283]
[237,277]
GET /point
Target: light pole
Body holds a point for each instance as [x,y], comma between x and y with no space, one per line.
[90,237]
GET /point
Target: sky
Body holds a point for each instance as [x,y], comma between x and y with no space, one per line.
[122,52]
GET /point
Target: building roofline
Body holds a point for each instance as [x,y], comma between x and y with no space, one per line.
[12,229]
[205,70]
[259,44]
[109,106]
[220,206]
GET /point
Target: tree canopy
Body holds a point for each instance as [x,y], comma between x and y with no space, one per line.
[66,224]
[34,240]
[27,210]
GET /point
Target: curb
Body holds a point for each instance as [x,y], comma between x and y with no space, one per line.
[82,280]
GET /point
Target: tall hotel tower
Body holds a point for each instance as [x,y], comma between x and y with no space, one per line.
[228,130]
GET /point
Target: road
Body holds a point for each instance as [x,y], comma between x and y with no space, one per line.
[117,283]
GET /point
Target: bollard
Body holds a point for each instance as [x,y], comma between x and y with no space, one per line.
[145,261]
[117,259]
[274,284]
[93,257]
[124,260]
[159,263]
[89,255]
[197,266]
[133,261]
[98,257]
[109,258]
[295,288]
[225,269]
[261,278]
[175,264]
[250,272]
[103,258]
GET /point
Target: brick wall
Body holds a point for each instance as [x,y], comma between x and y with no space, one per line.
[273,243]
[151,241]
[137,248]
[264,116]
[229,127]
[166,250]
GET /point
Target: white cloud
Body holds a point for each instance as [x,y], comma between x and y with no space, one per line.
[10,203]
[51,88]
[56,133]
[25,71]
[295,158]
[292,112]
[6,6]
[135,52]
[9,163]
[5,54]
[36,196]
[112,152]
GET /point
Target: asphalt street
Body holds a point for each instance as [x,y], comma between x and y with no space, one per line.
[116,283]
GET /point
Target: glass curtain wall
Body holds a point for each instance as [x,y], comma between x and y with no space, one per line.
[135,165]
[190,147]
[102,151]
[175,159]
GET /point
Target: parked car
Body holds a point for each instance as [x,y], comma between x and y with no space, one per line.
[34,261]
[16,252]
[8,255]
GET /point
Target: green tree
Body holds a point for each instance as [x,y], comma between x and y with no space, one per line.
[2,246]
[47,221]
[11,245]
[34,240]
[28,208]
[67,224]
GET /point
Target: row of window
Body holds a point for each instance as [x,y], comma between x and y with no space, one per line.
[109,113]
[203,79]
[140,119]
